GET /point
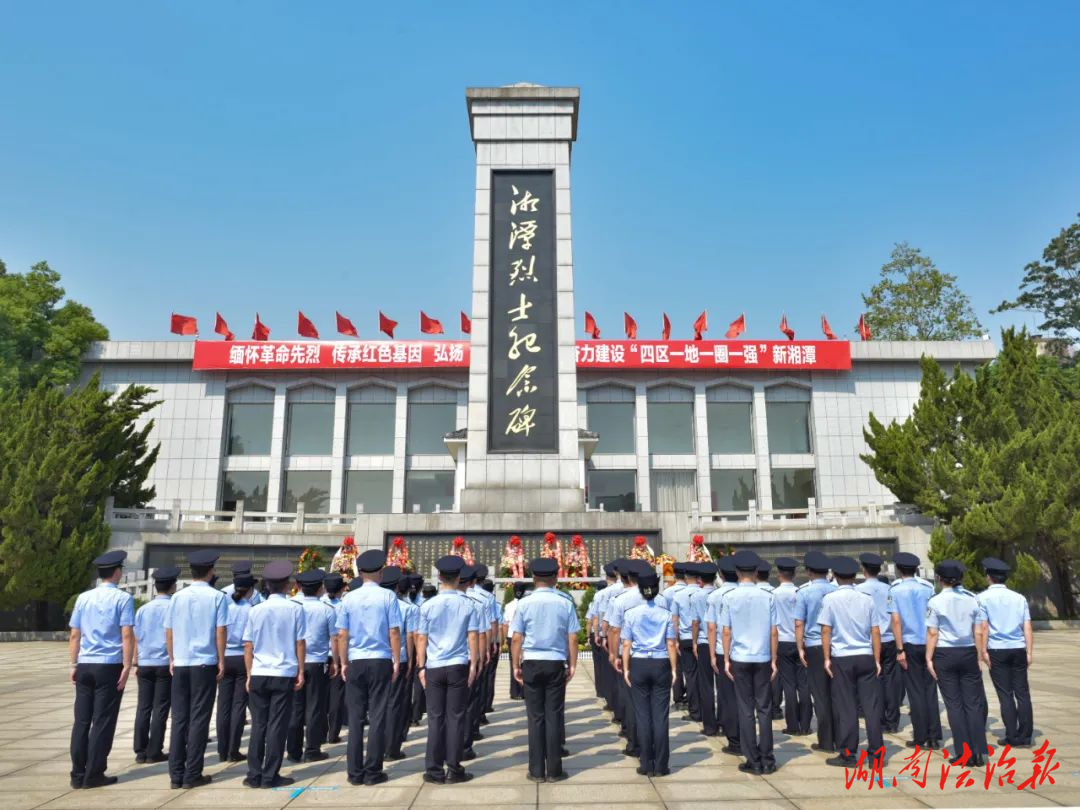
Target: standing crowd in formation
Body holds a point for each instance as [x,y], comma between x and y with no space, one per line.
[377,655]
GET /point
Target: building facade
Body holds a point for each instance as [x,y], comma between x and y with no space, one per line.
[276,446]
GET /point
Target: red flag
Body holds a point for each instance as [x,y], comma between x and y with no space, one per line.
[591,329]
[222,328]
[429,326]
[666,334]
[864,329]
[787,330]
[630,325]
[345,326]
[306,328]
[261,331]
[826,329]
[700,325]
[183,325]
[466,324]
[386,325]
[738,326]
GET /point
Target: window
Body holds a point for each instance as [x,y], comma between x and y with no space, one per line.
[310,487]
[614,490]
[432,414]
[729,427]
[249,428]
[311,428]
[732,490]
[671,420]
[614,424]
[371,429]
[247,486]
[673,490]
[429,488]
[787,415]
[792,488]
[372,488]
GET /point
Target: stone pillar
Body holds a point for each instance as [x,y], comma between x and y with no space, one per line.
[516,128]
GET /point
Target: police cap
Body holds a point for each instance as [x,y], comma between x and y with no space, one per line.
[816,562]
[314,576]
[468,573]
[371,560]
[449,566]
[334,582]
[241,567]
[544,567]
[950,569]
[764,567]
[519,589]
[111,559]
[707,568]
[640,568]
[167,573]
[277,570]
[679,569]
[844,566]
[243,580]
[787,564]
[869,558]
[203,557]
[416,581]
[610,569]
[481,571]
[391,576]
[726,565]
[650,580]
[906,559]
[992,565]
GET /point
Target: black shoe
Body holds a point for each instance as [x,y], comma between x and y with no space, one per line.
[477,736]
[140,759]
[431,779]
[768,769]
[643,772]
[316,756]
[162,757]
[483,720]
[100,781]
[395,757]
[607,707]
[458,778]
[914,744]
[199,781]
[730,749]
[665,772]
[820,747]
[252,783]
[336,740]
[746,767]
[564,751]
[378,779]
[468,754]
[778,716]
[532,778]
[622,733]
[294,758]
[791,732]
[559,777]
[76,784]
[891,729]
[841,762]
[933,745]
[358,781]
[236,756]
[175,785]
[280,781]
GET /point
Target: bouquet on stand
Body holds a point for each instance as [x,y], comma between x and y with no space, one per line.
[551,548]
[310,558]
[577,561]
[513,559]
[698,551]
[344,561]
[668,563]
[399,555]
[642,550]
[460,548]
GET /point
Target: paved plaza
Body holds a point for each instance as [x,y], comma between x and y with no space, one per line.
[35,702]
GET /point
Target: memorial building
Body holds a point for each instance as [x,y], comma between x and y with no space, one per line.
[269,447]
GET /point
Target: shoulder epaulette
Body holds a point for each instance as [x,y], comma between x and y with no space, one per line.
[804,585]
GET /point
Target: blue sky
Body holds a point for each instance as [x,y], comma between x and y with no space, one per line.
[755,157]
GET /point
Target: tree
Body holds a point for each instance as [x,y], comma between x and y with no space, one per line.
[40,338]
[61,455]
[1052,286]
[916,301]
[992,457]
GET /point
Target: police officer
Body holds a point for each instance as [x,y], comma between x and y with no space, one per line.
[590,628]
[748,619]
[678,685]
[808,640]
[232,695]
[154,679]
[679,604]
[101,647]
[516,690]
[369,646]
[727,711]
[792,674]
[447,660]
[889,682]
[467,583]
[955,631]
[398,712]
[311,704]
[851,644]
[908,598]
[196,632]
[705,573]
[544,652]
[650,661]
[243,567]
[417,591]
[274,655]
[763,570]
[488,587]
[334,586]
[607,673]
[1009,650]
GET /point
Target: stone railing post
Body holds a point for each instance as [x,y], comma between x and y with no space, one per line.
[174,516]
[299,523]
[238,517]
[811,511]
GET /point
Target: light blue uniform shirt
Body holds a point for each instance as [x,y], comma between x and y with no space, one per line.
[679,605]
[410,618]
[955,612]
[254,595]
[545,619]
[909,597]
[195,614]
[334,603]
[1006,611]
[369,613]
[273,628]
[785,595]
[321,625]
[750,612]
[446,619]
[713,606]
[698,607]
[808,606]
[648,627]
[150,632]
[766,586]
[238,613]
[483,615]
[851,614]
[99,614]
[610,593]
[629,598]
[488,600]
[879,592]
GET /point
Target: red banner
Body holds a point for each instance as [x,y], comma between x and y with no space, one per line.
[713,355]
[299,355]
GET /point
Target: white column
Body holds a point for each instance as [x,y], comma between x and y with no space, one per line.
[336,504]
[701,448]
[276,484]
[401,418]
[641,446]
[761,450]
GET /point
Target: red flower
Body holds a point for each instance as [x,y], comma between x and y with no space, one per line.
[515,540]
[577,540]
[698,540]
[348,541]
[399,541]
[639,540]
[459,541]
[549,537]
